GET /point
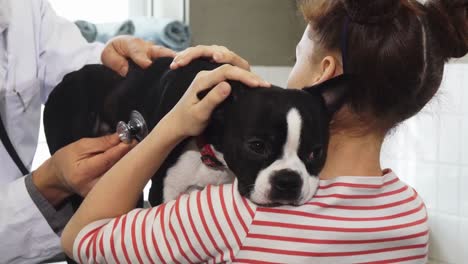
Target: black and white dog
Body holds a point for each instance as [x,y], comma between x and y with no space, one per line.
[273,140]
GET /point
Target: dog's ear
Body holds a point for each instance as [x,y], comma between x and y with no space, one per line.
[334,91]
[218,121]
[218,115]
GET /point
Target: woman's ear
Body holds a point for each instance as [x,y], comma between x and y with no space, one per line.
[329,68]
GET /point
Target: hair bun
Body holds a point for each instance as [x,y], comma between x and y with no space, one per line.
[448,20]
[372,11]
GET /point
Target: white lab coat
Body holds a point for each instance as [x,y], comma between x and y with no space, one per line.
[38,48]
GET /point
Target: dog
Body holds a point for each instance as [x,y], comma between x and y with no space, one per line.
[273,140]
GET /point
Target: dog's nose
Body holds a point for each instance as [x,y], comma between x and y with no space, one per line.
[285,185]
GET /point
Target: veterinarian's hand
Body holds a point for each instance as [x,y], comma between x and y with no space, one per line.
[121,48]
[191,115]
[77,167]
[218,54]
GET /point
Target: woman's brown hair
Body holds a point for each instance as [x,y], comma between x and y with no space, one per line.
[396,48]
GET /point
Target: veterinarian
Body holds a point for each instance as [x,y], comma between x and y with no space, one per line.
[396,51]
[37,48]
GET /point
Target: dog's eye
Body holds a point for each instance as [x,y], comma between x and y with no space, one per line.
[257,146]
[315,154]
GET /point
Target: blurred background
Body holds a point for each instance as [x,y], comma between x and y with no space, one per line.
[429,151]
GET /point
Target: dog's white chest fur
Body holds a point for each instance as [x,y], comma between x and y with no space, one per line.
[189,172]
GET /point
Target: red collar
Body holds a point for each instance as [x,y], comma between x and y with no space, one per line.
[208,156]
[386,171]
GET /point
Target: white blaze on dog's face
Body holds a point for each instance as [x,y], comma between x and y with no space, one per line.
[287,180]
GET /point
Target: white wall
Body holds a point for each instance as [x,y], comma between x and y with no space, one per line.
[430,152]
[91,10]
[169,9]
[102,11]
[275,75]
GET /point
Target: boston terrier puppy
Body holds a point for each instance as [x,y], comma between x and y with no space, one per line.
[273,140]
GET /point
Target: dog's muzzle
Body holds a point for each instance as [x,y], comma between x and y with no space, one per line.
[286,185]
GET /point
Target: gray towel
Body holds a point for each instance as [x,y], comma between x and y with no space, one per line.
[88,30]
[106,31]
[166,32]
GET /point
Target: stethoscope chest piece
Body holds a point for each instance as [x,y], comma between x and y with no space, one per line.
[136,128]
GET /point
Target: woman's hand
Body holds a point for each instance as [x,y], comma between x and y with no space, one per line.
[121,48]
[77,167]
[191,115]
[218,54]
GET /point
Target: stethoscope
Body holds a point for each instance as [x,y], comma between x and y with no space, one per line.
[136,128]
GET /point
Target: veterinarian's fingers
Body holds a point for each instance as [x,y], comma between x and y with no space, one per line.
[229,72]
[216,96]
[160,51]
[97,145]
[114,60]
[140,52]
[104,161]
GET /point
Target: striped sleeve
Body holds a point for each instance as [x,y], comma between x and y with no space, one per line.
[205,226]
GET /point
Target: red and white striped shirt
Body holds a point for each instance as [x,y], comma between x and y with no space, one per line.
[349,220]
